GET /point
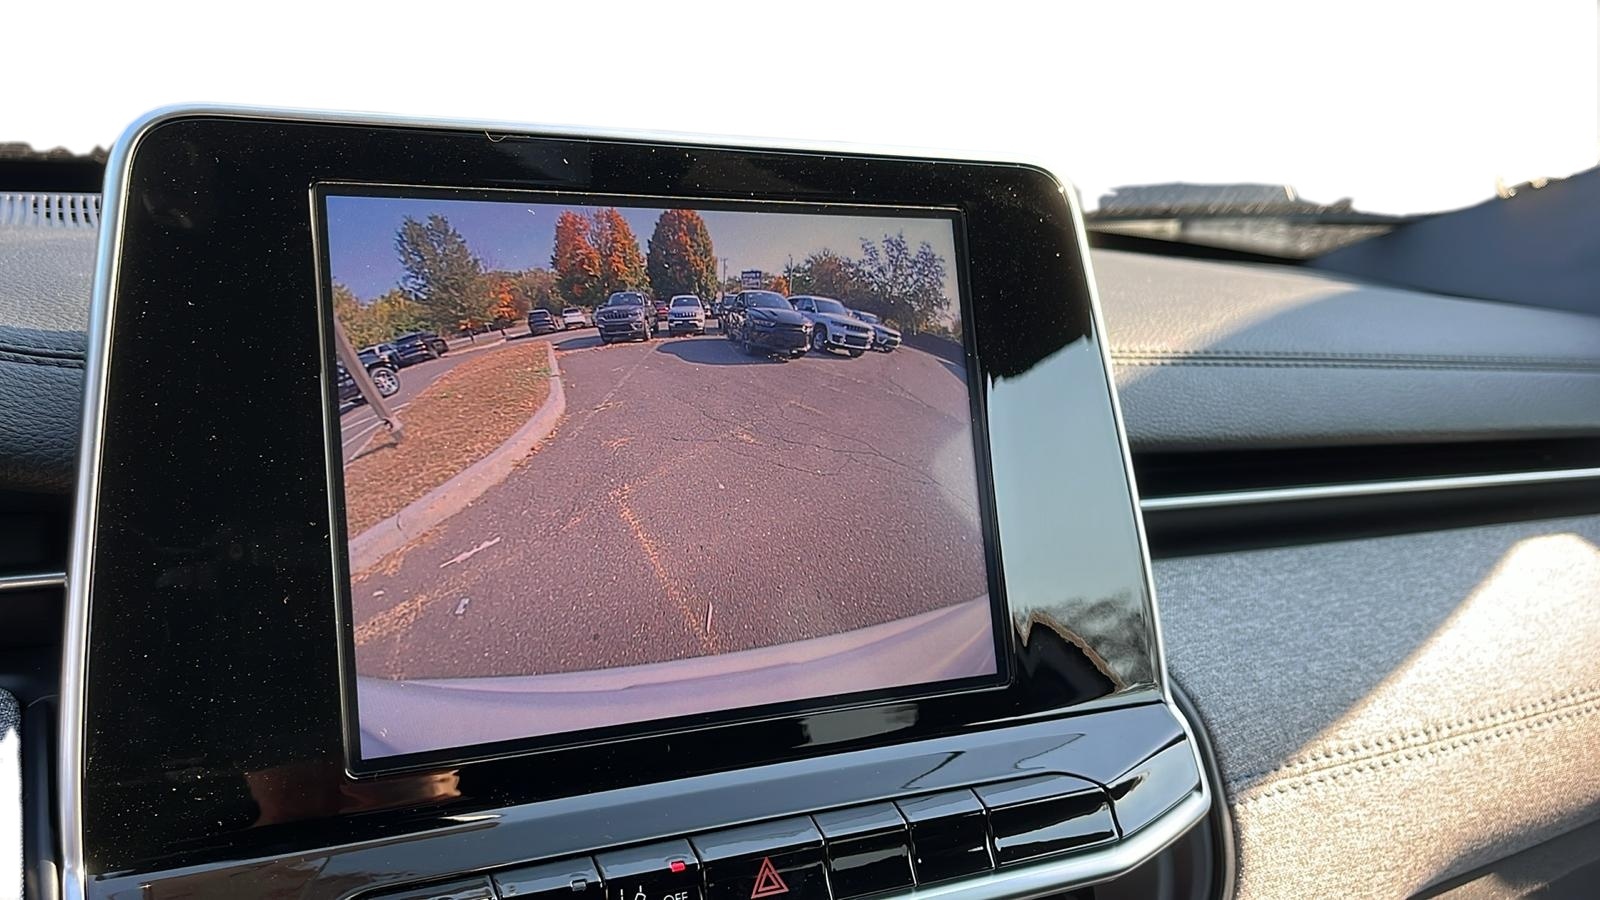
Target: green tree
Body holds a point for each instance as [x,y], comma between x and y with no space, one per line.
[539,289]
[828,274]
[681,259]
[382,319]
[905,287]
[347,309]
[621,263]
[575,261]
[441,272]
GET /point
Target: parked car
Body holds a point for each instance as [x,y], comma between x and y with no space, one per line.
[402,355]
[686,315]
[662,309]
[764,320]
[385,353]
[884,338]
[715,308]
[540,321]
[576,317]
[384,378]
[833,327]
[626,316]
[427,341]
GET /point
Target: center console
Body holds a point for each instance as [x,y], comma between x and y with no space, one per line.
[475,511]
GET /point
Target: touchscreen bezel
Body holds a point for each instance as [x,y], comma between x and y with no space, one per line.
[201,671]
[999,634]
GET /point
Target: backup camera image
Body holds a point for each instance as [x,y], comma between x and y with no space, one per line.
[605,465]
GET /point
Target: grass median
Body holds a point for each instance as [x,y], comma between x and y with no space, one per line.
[451,424]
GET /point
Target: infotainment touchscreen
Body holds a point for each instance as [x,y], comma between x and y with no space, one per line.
[612,464]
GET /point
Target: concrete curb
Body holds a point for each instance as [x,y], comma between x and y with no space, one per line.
[456,494]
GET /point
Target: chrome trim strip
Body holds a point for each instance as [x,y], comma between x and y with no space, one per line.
[32,582]
[85,508]
[1364,489]
[1032,881]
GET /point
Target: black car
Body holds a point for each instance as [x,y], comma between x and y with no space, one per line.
[626,316]
[423,344]
[385,353]
[764,321]
[383,376]
[400,356]
[540,321]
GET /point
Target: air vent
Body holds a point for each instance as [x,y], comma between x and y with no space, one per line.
[50,210]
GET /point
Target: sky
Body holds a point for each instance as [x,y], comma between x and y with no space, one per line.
[1405,107]
[504,235]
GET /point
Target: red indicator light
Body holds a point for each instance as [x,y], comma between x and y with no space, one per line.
[677,866]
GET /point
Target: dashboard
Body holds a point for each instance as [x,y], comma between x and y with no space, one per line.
[477,511]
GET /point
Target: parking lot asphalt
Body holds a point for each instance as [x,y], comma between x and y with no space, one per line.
[694,501]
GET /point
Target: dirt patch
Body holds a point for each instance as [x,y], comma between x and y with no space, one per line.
[453,423]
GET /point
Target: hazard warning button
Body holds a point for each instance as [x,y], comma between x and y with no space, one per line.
[771,861]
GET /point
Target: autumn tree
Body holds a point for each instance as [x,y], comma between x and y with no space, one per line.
[441,272]
[575,261]
[505,304]
[681,260]
[779,283]
[621,263]
[533,288]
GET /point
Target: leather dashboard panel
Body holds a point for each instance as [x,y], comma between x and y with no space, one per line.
[1392,712]
[1233,356]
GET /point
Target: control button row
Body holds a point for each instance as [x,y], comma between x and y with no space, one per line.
[839,855]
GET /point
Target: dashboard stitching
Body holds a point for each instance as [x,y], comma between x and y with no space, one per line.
[23,359]
[1359,765]
[1355,749]
[1335,354]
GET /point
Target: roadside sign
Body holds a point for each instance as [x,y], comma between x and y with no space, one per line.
[752,279]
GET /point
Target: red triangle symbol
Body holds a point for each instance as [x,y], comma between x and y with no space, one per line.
[768,882]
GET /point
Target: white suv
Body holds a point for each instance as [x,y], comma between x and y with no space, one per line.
[686,315]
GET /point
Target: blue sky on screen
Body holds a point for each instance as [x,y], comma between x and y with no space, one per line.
[513,235]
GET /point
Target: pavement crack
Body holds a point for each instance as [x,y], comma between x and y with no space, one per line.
[901,391]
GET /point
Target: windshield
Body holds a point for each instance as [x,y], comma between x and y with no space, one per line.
[1334,119]
[766,300]
[628,299]
[825,305]
[685,301]
[867,317]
